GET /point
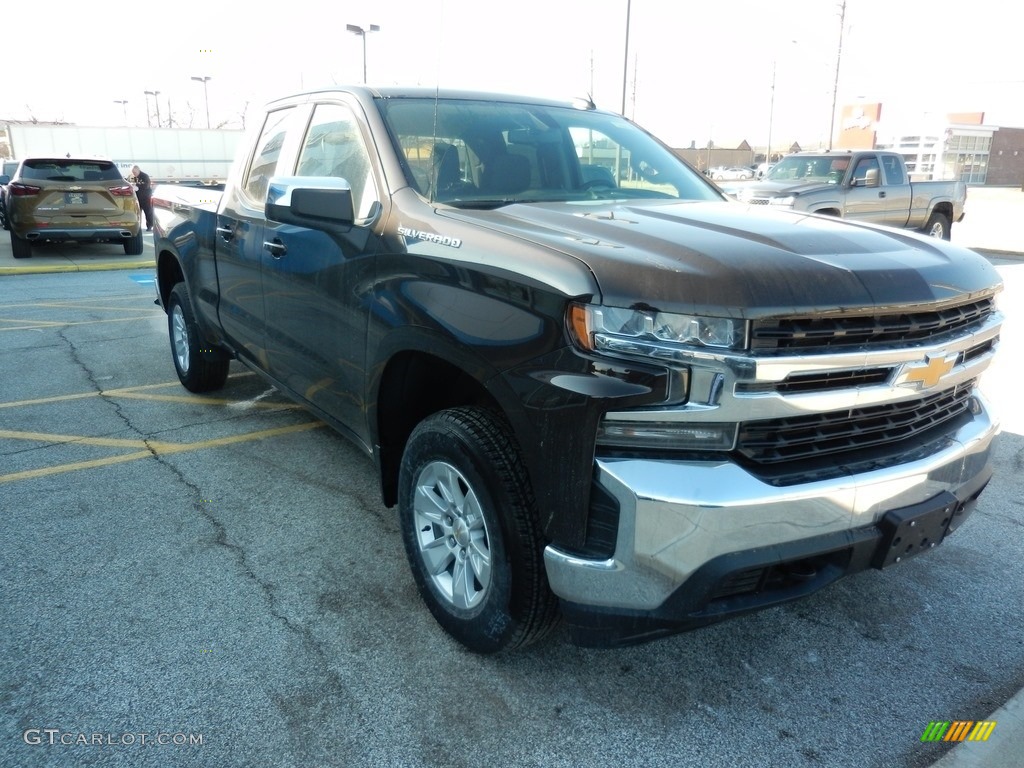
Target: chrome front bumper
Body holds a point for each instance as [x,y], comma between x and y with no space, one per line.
[677,516]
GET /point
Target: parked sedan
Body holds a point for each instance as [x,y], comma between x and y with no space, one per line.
[86,200]
[732,173]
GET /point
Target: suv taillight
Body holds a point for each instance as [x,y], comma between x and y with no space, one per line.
[23,190]
[125,191]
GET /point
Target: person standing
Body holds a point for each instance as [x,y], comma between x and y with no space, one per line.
[144,191]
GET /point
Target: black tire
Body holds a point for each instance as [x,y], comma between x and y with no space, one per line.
[199,369]
[21,249]
[133,245]
[471,533]
[938,226]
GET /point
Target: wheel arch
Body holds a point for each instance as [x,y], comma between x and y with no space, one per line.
[414,384]
[168,274]
[945,208]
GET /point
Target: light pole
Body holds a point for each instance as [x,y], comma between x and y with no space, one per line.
[206,95]
[124,108]
[156,102]
[357,30]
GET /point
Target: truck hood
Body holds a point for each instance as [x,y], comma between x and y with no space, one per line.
[781,189]
[740,260]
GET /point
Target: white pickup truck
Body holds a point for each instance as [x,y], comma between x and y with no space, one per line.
[864,186]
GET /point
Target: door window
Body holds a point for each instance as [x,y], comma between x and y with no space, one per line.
[893,170]
[268,155]
[865,164]
[334,147]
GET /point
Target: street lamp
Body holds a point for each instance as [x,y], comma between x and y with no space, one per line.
[357,30]
[124,108]
[156,101]
[206,95]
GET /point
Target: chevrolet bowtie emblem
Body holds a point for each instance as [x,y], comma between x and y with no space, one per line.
[929,373]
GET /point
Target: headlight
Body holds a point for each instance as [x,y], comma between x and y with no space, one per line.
[786,201]
[650,333]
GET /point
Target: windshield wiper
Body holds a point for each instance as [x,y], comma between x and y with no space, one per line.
[490,203]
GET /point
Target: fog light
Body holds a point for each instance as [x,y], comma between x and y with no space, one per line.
[666,435]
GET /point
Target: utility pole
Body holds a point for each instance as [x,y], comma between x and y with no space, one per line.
[206,95]
[156,101]
[625,58]
[835,84]
[124,108]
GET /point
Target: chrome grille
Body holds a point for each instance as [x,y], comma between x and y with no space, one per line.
[778,441]
[826,332]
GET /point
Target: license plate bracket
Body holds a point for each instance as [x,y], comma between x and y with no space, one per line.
[909,531]
[75,198]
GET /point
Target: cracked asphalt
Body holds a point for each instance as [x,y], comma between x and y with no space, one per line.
[212,581]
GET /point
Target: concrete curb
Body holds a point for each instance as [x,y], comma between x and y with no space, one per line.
[88,266]
[1004,748]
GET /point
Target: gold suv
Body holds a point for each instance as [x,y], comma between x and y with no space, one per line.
[86,200]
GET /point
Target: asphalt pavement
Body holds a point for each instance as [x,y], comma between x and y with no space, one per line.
[991,226]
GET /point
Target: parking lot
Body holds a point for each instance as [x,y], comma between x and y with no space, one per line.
[213,581]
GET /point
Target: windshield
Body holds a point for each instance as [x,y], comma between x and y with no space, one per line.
[488,153]
[826,169]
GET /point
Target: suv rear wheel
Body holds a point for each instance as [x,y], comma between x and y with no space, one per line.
[133,246]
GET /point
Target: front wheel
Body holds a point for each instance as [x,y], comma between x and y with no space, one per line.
[200,369]
[471,533]
[938,226]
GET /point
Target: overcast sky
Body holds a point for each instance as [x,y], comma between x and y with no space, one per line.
[697,70]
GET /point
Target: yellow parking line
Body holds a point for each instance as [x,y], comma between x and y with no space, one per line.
[123,392]
[206,400]
[73,305]
[43,323]
[31,473]
[159,449]
[110,442]
[51,324]
[68,302]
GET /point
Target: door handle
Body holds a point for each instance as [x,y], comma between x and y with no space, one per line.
[881,194]
[226,232]
[276,247]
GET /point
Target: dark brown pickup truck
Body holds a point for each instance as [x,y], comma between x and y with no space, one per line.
[592,385]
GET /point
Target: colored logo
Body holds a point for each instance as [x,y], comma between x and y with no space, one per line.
[958,730]
[928,373]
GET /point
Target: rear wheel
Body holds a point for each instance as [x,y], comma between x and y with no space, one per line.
[938,226]
[199,368]
[133,245]
[471,533]
[21,249]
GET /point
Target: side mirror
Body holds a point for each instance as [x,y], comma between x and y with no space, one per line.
[315,202]
[870,179]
